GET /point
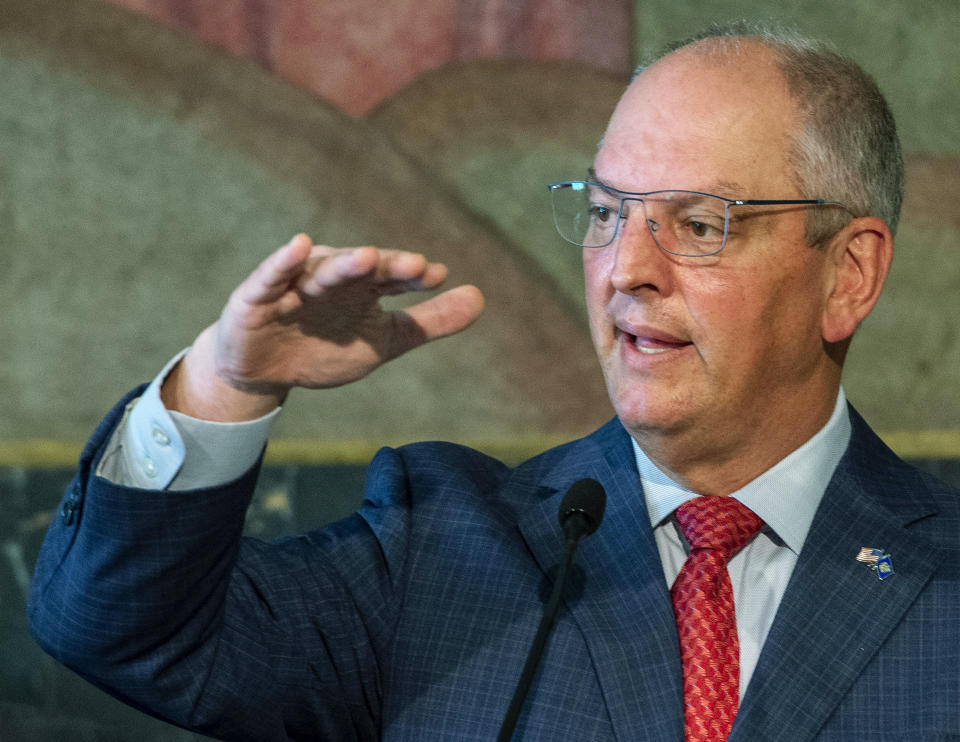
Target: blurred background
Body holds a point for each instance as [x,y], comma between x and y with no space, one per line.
[152,152]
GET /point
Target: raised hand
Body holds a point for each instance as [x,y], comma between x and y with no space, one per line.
[310,316]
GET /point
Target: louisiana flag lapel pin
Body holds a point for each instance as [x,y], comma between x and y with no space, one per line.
[879,561]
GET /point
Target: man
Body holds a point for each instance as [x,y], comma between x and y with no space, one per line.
[735,234]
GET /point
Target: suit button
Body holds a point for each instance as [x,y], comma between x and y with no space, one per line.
[68,511]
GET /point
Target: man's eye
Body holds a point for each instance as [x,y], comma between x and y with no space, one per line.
[600,213]
[703,229]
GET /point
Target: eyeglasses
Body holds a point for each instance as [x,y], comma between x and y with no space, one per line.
[686,223]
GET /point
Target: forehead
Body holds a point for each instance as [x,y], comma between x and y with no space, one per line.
[696,120]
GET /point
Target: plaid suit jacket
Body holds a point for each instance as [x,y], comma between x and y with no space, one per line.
[411,619]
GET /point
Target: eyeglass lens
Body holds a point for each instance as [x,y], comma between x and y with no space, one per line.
[681,222]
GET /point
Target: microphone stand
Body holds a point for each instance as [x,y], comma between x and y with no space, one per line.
[540,640]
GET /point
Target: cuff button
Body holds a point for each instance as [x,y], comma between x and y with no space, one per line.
[149,467]
[160,436]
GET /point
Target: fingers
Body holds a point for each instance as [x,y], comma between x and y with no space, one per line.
[364,273]
[386,271]
[275,274]
[316,268]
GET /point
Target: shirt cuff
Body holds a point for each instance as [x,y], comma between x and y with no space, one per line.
[161,449]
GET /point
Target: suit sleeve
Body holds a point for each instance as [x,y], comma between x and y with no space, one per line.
[157,598]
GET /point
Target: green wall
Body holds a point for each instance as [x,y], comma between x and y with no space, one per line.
[911,47]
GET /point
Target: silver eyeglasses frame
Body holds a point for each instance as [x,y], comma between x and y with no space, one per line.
[624,196]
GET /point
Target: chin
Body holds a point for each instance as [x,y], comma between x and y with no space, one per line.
[649,413]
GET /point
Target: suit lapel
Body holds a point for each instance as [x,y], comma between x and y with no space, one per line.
[836,613]
[624,612]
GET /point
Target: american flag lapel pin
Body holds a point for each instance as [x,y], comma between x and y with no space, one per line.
[879,561]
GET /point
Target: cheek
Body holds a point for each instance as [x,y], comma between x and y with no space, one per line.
[718,303]
[734,320]
[596,279]
[795,302]
[594,264]
[769,326]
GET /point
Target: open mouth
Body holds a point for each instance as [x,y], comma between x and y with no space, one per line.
[649,341]
[652,346]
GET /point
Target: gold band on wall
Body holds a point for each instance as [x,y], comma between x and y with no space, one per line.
[49,454]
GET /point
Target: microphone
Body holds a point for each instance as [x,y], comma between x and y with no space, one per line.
[582,509]
[580,514]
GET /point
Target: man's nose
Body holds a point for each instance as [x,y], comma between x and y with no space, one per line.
[639,262]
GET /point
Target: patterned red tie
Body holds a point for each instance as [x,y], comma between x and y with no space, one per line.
[716,528]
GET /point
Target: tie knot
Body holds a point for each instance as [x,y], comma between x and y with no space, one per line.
[717,523]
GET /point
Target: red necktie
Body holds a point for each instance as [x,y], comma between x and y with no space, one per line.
[716,528]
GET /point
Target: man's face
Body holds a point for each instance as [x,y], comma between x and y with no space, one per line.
[714,347]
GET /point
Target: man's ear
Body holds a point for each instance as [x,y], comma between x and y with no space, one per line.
[861,255]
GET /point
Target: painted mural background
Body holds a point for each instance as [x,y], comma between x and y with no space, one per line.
[153,151]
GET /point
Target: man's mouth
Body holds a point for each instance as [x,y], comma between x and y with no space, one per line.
[649,341]
[652,346]
[649,350]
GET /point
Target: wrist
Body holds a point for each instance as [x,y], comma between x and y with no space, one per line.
[195,388]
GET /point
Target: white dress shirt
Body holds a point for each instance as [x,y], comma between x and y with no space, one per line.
[785,497]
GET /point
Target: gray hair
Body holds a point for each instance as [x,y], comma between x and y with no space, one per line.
[846,148]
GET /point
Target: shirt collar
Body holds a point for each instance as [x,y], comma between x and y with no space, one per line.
[785,496]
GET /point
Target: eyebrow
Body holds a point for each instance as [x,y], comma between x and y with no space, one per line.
[592,178]
[612,190]
[725,188]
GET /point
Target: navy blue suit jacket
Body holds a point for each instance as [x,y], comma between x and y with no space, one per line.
[411,619]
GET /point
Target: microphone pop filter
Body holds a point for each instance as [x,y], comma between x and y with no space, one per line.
[587,498]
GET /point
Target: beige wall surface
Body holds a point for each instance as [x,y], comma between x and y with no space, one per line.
[144,172]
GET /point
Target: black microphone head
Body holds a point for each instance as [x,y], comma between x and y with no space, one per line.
[587,499]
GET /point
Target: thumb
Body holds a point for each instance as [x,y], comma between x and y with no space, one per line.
[440,316]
